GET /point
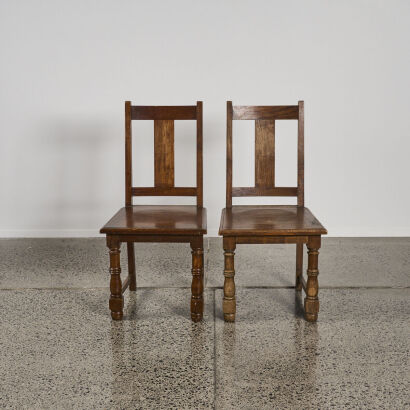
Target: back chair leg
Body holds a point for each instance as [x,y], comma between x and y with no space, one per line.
[312,285]
[131,266]
[203,270]
[299,266]
[116,298]
[229,300]
[197,287]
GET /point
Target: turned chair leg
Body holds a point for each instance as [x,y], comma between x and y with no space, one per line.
[116,298]
[312,285]
[197,287]
[131,266]
[229,300]
[299,266]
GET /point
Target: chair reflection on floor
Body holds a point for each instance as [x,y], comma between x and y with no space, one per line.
[144,349]
[257,358]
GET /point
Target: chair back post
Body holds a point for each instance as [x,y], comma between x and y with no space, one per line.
[199,155]
[229,154]
[301,154]
[128,154]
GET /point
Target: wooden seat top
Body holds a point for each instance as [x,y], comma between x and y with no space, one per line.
[158,219]
[246,220]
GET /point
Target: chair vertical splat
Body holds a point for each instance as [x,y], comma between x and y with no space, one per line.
[164,153]
[265,153]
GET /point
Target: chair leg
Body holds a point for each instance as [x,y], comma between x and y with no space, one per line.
[312,285]
[229,300]
[116,298]
[299,266]
[197,287]
[131,266]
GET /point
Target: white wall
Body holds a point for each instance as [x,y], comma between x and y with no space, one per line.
[67,67]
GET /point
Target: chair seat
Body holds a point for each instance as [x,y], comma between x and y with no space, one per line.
[269,220]
[157,219]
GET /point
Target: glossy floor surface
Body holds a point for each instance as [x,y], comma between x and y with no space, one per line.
[60,349]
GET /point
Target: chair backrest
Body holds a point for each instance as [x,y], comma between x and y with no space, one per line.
[164,117]
[265,117]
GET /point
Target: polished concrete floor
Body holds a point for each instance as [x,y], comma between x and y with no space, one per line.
[60,349]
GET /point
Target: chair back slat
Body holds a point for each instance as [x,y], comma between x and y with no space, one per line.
[265,117]
[257,191]
[274,112]
[265,153]
[164,191]
[164,153]
[164,167]
[143,112]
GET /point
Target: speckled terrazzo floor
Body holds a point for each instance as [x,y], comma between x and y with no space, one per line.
[60,349]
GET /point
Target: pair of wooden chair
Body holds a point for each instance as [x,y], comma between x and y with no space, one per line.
[293,224]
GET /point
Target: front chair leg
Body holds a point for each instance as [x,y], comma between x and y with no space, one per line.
[197,287]
[229,300]
[312,285]
[116,298]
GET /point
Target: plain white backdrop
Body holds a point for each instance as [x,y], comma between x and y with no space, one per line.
[67,68]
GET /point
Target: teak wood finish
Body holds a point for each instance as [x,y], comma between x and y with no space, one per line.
[260,224]
[158,223]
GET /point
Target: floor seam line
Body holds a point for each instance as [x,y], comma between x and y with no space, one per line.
[214,291]
[211,287]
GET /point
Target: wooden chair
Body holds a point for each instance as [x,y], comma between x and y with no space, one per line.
[269,224]
[158,223]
